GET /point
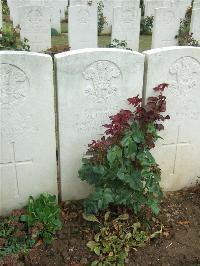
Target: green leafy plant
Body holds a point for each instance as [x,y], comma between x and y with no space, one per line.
[146,25]
[20,231]
[43,217]
[184,37]
[116,237]
[13,236]
[120,165]
[9,40]
[118,44]
[101,19]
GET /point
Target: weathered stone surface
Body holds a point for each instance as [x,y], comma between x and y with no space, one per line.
[195,24]
[92,84]
[63,4]
[178,154]
[16,4]
[196,4]
[27,127]
[55,14]
[78,2]
[165,28]
[126,26]
[151,5]
[82,26]
[130,3]
[35,26]
[181,7]
[54,11]
[109,5]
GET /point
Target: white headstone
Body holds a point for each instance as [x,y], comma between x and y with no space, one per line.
[63,4]
[196,4]
[181,6]
[108,14]
[92,84]
[78,2]
[53,11]
[27,127]
[16,4]
[195,24]
[14,12]
[151,5]
[165,27]
[82,26]
[126,26]
[179,151]
[55,14]
[35,26]
[130,3]
[109,5]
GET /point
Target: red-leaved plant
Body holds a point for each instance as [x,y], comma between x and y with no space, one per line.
[120,165]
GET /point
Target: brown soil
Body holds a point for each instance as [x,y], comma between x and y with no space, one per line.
[178,245]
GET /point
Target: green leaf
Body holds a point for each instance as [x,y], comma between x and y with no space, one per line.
[146,172]
[99,169]
[24,218]
[99,200]
[153,204]
[155,234]
[126,140]
[122,217]
[95,263]
[146,159]
[138,135]
[91,245]
[136,226]
[133,180]
[90,218]
[97,250]
[97,237]
[106,216]
[130,147]
[114,154]
[151,128]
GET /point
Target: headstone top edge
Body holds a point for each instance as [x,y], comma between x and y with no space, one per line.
[170,48]
[94,50]
[30,54]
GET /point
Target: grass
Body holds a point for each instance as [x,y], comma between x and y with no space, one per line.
[64,27]
[60,40]
[145,42]
[103,41]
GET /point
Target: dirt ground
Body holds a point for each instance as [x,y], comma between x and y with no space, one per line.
[178,245]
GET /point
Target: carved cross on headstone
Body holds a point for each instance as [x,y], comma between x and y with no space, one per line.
[14,163]
[176,144]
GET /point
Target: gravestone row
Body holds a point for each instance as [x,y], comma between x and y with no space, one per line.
[36,22]
[92,84]
[167,23]
[56,10]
